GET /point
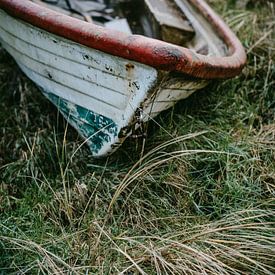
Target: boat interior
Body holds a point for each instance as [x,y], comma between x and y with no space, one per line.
[173,21]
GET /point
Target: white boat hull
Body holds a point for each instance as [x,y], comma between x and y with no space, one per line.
[98,93]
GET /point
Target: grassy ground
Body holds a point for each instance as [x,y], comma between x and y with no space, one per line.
[200,201]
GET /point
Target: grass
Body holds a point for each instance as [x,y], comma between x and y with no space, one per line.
[199,201]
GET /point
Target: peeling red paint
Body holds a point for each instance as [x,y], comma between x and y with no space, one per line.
[152,52]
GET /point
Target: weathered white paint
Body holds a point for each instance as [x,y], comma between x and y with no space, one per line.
[169,93]
[79,70]
[106,84]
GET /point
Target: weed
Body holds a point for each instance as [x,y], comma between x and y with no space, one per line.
[199,201]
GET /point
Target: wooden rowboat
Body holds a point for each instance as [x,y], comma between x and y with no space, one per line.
[105,82]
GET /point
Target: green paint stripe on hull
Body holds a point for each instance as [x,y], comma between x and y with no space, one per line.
[99,131]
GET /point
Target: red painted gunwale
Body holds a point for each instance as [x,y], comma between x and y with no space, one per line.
[152,52]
